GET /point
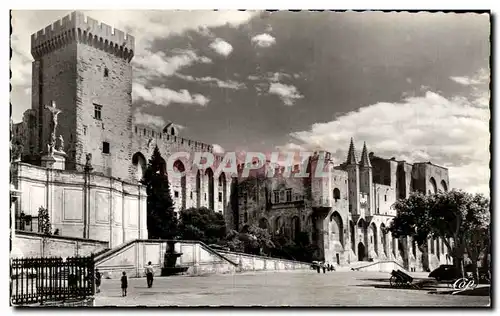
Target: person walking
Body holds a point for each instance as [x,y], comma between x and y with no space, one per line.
[124,282]
[149,274]
[323,266]
[98,277]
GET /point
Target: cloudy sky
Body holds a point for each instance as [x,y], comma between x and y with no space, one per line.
[414,86]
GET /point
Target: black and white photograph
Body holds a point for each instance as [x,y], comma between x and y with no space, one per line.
[250,158]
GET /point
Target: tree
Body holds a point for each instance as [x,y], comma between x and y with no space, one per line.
[202,224]
[161,218]
[44,221]
[458,215]
[252,240]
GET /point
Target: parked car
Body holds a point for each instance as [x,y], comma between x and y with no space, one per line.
[447,272]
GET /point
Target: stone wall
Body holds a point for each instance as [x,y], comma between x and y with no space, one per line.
[29,244]
[83,205]
[198,257]
[133,256]
[248,262]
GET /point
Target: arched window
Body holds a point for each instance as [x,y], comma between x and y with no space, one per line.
[433,187]
[336,194]
[179,167]
[210,178]
[337,228]
[295,227]
[444,186]
[278,225]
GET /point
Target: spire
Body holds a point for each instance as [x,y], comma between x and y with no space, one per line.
[365,160]
[351,155]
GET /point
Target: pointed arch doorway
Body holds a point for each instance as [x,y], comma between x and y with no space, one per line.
[361,251]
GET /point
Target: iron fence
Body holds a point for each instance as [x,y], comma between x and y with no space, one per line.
[39,280]
[27,223]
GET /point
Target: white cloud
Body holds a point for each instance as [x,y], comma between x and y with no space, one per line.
[218,149]
[263,40]
[452,132]
[221,47]
[291,147]
[158,64]
[480,78]
[229,84]
[145,26]
[164,96]
[466,81]
[148,119]
[287,93]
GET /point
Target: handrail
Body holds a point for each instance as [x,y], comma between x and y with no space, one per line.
[123,246]
[263,257]
[378,262]
[62,237]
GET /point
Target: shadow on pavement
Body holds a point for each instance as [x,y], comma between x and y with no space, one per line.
[479,291]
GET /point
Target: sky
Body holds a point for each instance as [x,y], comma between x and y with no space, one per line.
[414,86]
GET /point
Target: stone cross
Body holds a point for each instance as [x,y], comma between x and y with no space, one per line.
[54,111]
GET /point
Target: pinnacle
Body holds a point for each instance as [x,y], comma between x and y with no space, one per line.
[351,155]
[365,160]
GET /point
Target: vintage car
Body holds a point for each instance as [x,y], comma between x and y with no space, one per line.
[447,272]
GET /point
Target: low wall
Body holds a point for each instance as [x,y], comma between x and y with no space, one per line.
[31,244]
[381,266]
[133,256]
[248,262]
[200,259]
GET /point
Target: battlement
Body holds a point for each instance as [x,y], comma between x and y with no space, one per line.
[77,26]
[147,133]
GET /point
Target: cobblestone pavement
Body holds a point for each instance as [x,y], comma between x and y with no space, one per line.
[294,288]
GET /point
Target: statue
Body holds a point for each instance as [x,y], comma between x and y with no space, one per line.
[60,146]
[17,151]
[88,162]
[54,111]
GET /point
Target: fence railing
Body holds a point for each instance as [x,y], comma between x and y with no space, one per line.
[38,280]
[28,223]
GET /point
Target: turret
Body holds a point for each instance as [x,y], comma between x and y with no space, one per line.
[352,168]
[366,180]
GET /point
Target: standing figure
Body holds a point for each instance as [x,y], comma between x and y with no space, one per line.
[54,112]
[124,284]
[98,277]
[323,266]
[149,274]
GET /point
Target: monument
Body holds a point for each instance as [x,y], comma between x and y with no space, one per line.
[170,259]
[54,157]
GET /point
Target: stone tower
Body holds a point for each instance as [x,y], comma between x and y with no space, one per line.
[366,180]
[84,67]
[352,168]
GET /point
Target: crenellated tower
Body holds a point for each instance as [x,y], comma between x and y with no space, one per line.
[366,180]
[84,67]
[352,168]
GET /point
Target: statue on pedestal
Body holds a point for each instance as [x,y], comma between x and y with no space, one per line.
[60,145]
[54,111]
[88,162]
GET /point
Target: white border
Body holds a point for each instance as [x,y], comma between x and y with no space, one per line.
[190,4]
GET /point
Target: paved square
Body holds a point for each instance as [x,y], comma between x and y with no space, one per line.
[294,288]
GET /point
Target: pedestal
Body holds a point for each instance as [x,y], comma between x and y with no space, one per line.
[55,160]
